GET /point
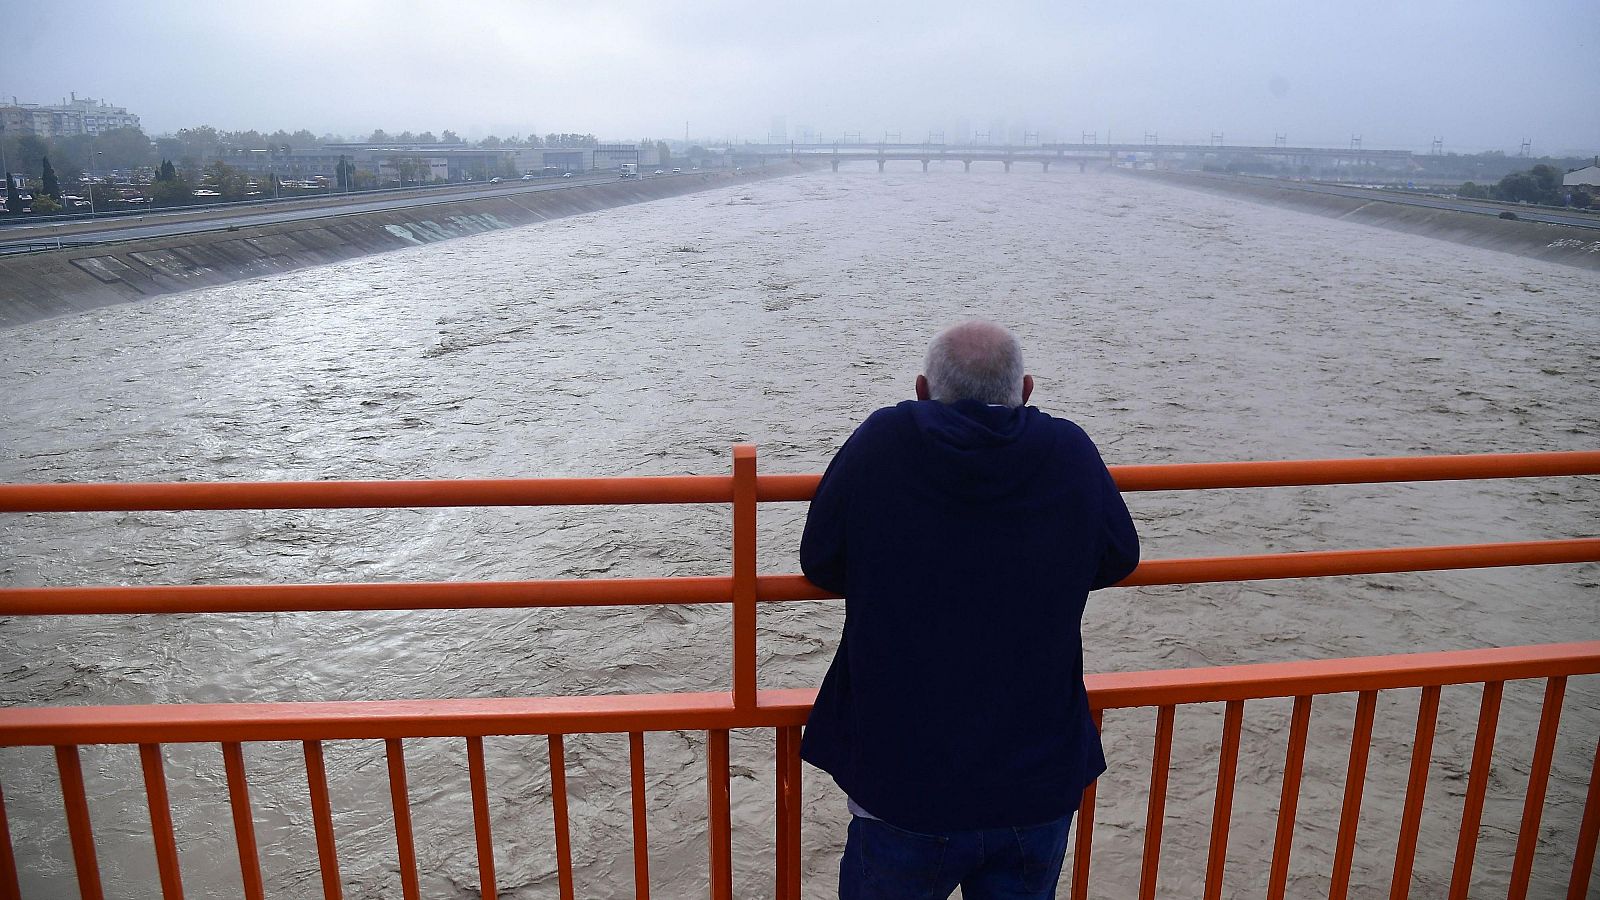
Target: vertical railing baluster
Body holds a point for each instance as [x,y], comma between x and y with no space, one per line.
[244,823]
[400,802]
[155,792]
[1544,749]
[641,825]
[781,838]
[478,778]
[78,827]
[558,798]
[10,885]
[719,831]
[1293,763]
[1588,835]
[1084,845]
[744,576]
[1354,785]
[1156,805]
[322,820]
[1416,788]
[1477,787]
[1222,813]
[791,783]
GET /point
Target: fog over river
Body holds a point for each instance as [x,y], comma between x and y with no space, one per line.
[1174,326]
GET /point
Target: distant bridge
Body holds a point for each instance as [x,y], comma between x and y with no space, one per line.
[1046,154]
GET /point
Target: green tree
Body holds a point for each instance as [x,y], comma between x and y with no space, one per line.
[1472,191]
[427,138]
[490,143]
[124,148]
[52,186]
[663,154]
[449,137]
[378,136]
[171,191]
[166,172]
[44,205]
[13,196]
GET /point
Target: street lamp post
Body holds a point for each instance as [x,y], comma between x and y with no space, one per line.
[94,165]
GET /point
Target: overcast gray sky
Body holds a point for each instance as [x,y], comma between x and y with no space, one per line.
[1481,74]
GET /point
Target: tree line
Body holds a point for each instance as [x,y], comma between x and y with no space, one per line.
[1540,184]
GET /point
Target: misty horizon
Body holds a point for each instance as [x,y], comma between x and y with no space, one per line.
[1475,76]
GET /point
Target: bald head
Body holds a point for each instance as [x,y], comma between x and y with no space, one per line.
[975,360]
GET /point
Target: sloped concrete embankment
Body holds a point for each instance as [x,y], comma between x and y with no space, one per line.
[39,285]
[1566,244]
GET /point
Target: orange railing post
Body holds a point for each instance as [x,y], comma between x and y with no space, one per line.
[1544,749]
[478,779]
[719,827]
[558,798]
[322,820]
[1416,787]
[244,823]
[1222,813]
[155,791]
[744,576]
[10,886]
[641,825]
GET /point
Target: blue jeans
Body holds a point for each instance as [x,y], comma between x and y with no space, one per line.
[882,862]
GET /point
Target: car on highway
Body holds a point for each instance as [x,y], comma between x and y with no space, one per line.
[566,174]
[495,180]
[676,171]
[658,172]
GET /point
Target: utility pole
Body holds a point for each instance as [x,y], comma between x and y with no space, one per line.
[1438,147]
[1030,137]
[1527,148]
[1280,140]
[1089,137]
[1216,139]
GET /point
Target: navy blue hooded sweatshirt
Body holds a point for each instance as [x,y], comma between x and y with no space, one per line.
[965,539]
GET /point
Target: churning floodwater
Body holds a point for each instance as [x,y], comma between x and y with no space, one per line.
[1175,326]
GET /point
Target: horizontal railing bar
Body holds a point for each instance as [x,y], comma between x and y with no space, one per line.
[1380,470]
[655,489]
[688,590]
[399,595]
[619,713]
[1318,563]
[1113,690]
[1291,473]
[130,497]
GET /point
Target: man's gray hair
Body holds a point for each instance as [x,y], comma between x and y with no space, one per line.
[975,360]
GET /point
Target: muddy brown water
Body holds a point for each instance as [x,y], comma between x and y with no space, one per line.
[1175,326]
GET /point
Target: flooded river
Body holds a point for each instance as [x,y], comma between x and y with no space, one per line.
[1175,326]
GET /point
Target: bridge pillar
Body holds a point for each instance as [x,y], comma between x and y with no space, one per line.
[924,165]
[880,165]
[966,165]
[1008,167]
[1047,166]
[1082,167]
[835,163]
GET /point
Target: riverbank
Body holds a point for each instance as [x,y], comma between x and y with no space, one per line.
[1565,244]
[36,286]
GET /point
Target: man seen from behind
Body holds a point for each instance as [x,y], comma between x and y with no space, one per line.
[965,531]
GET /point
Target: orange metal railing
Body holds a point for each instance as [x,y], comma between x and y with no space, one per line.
[784,710]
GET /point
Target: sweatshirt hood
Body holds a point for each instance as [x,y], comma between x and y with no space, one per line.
[979,451]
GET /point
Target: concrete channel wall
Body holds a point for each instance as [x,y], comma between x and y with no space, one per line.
[39,285]
[1566,244]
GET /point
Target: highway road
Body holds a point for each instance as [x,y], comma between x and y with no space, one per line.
[189,221]
[1527,213]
